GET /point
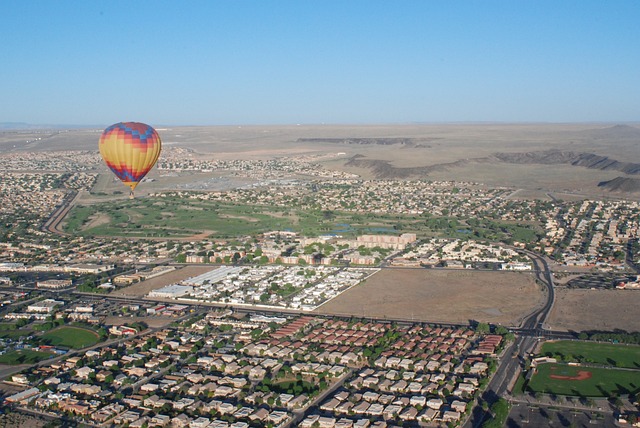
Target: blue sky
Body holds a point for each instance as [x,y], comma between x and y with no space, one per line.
[286,62]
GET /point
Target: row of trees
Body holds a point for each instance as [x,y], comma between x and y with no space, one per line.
[617,336]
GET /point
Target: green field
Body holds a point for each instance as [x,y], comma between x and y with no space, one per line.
[603,381]
[607,354]
[181,218]
[15,334]
[174,217]
[24,356]
[71,337]
[8,326]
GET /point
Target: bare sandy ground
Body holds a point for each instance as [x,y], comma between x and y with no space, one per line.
[143,288]
[441,296]
[97,220]
[452,296]
[579,310]
[150,321]
[15,419]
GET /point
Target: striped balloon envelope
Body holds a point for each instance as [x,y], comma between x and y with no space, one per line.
[130,149]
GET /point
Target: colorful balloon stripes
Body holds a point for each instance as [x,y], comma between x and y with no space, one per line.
[130,149]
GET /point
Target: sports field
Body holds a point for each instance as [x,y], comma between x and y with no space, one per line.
[608,354]
[583,381]
[71,337]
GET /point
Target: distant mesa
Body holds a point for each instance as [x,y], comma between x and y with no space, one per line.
[384,170]
[556,157]
[621,185]
[547,157]
[614,132]
[590,160]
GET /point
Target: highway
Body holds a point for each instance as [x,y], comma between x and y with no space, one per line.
[527,336]
[52,223]
[630,254]
[543,274]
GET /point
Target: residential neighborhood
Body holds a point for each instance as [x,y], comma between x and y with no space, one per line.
[226,369]
[241,342]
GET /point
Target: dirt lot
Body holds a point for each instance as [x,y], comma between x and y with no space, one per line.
[441,296]
[141,289]
[15,419]
[595,310]
[151,321]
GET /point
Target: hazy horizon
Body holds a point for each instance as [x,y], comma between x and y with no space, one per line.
[9,126]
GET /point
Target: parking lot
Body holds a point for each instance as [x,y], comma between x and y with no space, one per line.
[523,415]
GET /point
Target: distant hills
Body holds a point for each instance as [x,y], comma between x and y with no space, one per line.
[621,185]
[384,170]
[555,157]
[613,132]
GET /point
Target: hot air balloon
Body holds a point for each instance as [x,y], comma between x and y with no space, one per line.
[130,149]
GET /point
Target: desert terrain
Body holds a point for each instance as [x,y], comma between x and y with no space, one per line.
[448,296]
[579,310]
[595,160]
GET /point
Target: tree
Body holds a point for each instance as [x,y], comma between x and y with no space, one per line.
[482,328]
[501,330]
[618,402]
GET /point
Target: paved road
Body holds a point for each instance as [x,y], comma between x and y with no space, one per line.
[510,361]
[51,225]
[543,274]
[630,255]
[298,415]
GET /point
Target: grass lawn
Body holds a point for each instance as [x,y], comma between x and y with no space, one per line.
[4,326]
[71,337]
[24,356]
[15,334]
[608,354]
[601,383]
[518,388]
[178,218]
